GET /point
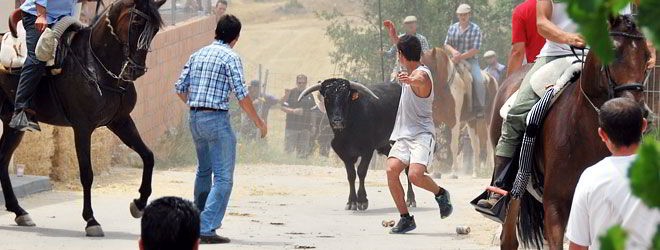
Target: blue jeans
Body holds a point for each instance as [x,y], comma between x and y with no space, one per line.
[477,82]
[32,69]
[215,143]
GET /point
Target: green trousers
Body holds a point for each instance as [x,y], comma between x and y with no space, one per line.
[514,125]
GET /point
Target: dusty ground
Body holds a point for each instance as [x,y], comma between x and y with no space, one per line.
[272,207]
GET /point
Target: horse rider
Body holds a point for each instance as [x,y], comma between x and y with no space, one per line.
[37,15]
[560,32]
[526,42]
[410,27]
[463,41]
[493,67]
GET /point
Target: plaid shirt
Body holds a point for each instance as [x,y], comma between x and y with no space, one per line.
[470,39]
[210,75]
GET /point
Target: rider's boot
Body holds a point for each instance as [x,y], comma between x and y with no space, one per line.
[500,164]
[24,120]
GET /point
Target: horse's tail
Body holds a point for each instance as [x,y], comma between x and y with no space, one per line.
[530,222]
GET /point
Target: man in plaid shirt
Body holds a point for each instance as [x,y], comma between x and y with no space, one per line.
[208,77]
[463,42]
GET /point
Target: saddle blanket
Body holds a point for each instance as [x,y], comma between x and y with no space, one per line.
[556,75]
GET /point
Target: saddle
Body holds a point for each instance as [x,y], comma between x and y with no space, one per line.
[556,75]
[51,48]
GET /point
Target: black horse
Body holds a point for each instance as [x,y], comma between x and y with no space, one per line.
[95,89]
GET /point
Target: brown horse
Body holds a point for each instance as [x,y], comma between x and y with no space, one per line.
[568,141]
[451,107]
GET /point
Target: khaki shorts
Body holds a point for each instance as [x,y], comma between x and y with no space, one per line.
[416,150]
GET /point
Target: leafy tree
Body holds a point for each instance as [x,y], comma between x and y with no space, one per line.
[591,17]
[357,40]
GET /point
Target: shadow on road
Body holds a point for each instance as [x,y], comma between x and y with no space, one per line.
[65,233]
[391,210]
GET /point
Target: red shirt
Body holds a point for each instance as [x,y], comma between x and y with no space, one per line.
[523,29]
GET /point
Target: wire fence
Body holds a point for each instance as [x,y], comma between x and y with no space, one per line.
[653,97]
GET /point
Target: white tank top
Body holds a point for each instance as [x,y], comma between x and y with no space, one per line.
[564,22]
[415,114]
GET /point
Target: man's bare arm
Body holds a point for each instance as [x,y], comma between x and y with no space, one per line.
[573,246]
[516,57]
[469,53]
[183,97]
[549,30]
[652,60]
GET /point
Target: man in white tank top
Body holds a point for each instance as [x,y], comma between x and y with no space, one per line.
[413,134]
[560,33]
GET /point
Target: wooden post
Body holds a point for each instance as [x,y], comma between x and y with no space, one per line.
[265,84]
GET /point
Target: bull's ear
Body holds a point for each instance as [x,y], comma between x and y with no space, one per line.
[355,96]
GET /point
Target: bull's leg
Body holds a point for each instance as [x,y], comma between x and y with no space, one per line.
[350,173]
[83,138]
[8,143]
[363,167]
[509,237]
[127,132]
[410,202]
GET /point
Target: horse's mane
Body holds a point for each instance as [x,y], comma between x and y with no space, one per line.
[151,11]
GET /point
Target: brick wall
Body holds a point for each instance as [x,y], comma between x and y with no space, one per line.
[158,108]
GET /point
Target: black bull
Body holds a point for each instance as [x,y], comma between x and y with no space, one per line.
[362,120]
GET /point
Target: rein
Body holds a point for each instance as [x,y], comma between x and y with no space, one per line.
[144,40]
[612,86]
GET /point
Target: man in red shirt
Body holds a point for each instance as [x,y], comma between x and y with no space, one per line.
[525,40]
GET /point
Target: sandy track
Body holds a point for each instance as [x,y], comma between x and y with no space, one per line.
[272,207]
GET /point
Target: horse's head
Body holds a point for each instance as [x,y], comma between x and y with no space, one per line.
[626,74]
[438,61]
[133,23]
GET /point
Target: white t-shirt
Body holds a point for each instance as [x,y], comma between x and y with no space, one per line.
[603,199]
[564,22]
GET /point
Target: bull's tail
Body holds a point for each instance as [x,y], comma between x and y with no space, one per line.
[530,222]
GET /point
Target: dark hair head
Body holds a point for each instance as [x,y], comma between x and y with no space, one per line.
[223,2]
[228,28]
[410,47]
[622,120]
[170,223]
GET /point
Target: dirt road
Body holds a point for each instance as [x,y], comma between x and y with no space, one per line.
[272,207]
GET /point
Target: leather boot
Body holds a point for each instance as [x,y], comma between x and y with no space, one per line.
[500,164]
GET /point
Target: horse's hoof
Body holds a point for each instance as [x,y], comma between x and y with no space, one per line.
[24,221]
[351,205]
[411,203]
[363,205]
[94,231]
[135,211]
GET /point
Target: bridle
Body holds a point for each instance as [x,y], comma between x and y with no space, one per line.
[143,43]
[613,88]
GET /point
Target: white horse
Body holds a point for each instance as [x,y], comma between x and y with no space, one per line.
[452,111]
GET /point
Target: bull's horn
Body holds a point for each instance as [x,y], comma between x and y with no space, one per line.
[361,87]
[309,90]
